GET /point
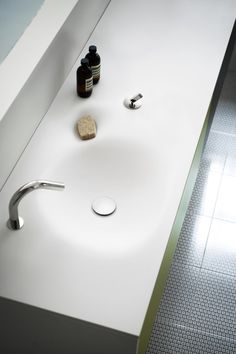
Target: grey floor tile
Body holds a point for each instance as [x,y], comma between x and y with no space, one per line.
[215,152]
[178,299]
[226,201]
[171,339]
[204,194]
[201,300]
[215,308]
[224,118]
[220,254]
[192,240]
[230,165]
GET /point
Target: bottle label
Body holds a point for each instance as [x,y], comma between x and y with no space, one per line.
[96,71]
[89,84]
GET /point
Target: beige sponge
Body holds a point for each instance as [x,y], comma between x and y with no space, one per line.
[86,127]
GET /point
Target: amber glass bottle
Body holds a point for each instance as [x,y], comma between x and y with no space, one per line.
[84,78]
[94,63]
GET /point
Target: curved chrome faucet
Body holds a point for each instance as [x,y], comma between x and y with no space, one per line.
[15,222]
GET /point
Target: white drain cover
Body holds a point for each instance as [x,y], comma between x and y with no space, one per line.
[104,206]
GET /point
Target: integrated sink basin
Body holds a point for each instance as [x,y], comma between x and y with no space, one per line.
[122,170]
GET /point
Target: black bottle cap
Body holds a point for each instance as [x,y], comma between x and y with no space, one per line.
[92,49]
[84,61]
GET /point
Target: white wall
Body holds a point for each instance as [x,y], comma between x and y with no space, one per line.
[15,16]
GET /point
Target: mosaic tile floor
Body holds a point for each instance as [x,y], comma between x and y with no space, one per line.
[198,309]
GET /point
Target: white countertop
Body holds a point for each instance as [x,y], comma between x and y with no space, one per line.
[171,51]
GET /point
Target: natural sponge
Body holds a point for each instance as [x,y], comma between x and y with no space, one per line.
[86,127]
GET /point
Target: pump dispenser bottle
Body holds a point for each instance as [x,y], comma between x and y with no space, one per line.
[94,63]
[84,79]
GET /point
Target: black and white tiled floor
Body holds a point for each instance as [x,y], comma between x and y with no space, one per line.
[198,309]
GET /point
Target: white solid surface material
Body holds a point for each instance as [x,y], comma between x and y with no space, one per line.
[67,259]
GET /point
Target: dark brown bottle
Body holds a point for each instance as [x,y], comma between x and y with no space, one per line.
[94,63]
[84,78]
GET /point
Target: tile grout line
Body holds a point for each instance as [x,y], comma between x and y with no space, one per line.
[222,133]
[195,330]
[209,270]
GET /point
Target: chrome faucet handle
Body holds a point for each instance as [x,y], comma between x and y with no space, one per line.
[15,222]
[135,99]
[133,103]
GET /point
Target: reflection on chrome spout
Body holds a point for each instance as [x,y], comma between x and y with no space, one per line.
[15,222]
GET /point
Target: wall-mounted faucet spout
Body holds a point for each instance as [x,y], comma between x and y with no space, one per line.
[15,222]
